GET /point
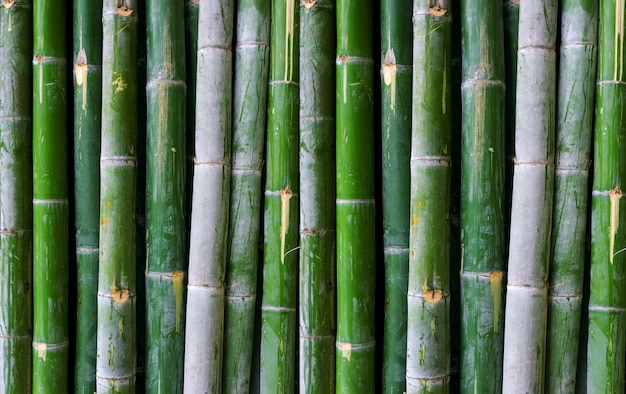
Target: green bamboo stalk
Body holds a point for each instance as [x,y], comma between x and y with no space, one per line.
[355,210]
[531,206]
[87,107]
[16,193]
[116,338]
[50,204]
[577,71]
[607,298]
[211,195]
[428,326]
[482,191]
[166,244]
[249,114]
[397,57]
[317,198]
[280,257]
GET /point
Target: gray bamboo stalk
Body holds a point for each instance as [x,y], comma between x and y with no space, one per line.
[531,207]
[210,202]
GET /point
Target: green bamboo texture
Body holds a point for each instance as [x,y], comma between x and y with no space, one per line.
[117,292]
[576,87]
[317,198]
[482,192]
[428,325]
[281,220]
[607,300]
[249,114]
[531,206]
[87,51]
[211,195]
[511,23]
[16,193]
[355,209]
[50,205]
[166,244]
[397,56]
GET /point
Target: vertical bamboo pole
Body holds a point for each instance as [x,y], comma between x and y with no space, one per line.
[16,194]
[50,204]
[428,326]
[397,57]
[482,192]
[280,257]
[355,211]
[117,292]
[606,347]
[531,206]
[211,195]
[87,108]
[249,111]
[317,197]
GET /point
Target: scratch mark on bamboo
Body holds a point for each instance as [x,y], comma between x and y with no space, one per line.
[289,34]
[285,197]
[423,356]
[120,326]
[495,281]
[8,4]
[82,70]
[119,83]
[389,75]
[40,58]
[615,195]
[618,58]
[346,350]
[177,284]
[42,350]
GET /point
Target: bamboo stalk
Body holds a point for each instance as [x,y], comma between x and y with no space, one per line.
[211,194]
[280,257]
[249,113]
[165,196]
[355,211]
[606,345]
[482,190]
[191,54]
[16,193]
[50,204]
[531,209]
[397,56]
[87,108]
[577,71]
[317,198]
[428,326]
[117,292]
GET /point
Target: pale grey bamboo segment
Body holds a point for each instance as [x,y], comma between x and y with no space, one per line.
[210,201]
[531,210]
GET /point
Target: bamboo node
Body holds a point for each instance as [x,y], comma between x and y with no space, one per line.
[42,350]
[308,3]
[346,350]
[433,296]
[119,295]
[8,3]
